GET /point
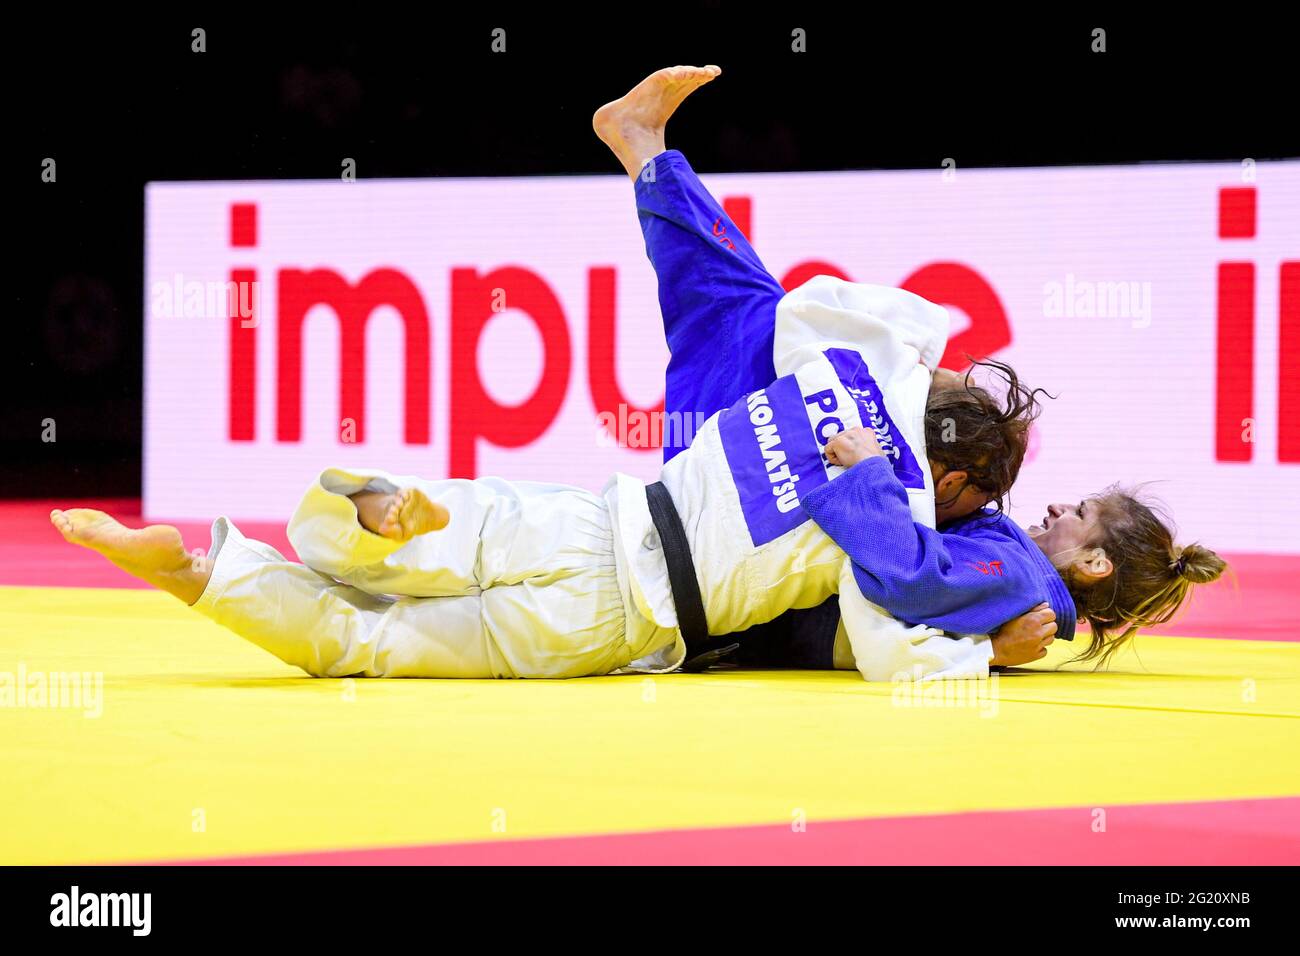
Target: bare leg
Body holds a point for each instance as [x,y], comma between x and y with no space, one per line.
[154,554]
[633,125]
[401,515]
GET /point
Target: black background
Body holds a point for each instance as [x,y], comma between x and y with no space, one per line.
[118,103]
[1030,908]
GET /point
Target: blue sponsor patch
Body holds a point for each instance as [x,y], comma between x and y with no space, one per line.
[857,380]
[774,456]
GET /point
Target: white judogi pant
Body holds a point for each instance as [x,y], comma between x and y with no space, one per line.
[524,582]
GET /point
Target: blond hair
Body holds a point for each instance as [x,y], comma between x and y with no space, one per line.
[1151,578]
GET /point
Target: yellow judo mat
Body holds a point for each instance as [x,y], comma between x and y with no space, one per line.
[199,745]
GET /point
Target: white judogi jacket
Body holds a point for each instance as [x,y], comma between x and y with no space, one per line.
[847,354]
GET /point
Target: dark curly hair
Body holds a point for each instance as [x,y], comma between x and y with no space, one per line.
[970,429]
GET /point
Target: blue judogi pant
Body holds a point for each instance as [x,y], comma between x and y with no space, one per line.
[717,299]
[718,303]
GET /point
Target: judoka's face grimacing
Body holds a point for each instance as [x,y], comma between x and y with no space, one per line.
[1066,535]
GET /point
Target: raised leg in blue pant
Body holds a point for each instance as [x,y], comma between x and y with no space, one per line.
[718,303]
[717,299]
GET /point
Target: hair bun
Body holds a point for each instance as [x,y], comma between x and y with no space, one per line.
[1198,564]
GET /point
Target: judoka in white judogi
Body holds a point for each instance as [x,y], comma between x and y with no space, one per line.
[543,580]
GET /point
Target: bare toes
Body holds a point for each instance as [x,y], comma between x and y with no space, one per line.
[392,518]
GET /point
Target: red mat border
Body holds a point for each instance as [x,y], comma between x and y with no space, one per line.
[1260,832]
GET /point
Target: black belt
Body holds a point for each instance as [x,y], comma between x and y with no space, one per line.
[691,619]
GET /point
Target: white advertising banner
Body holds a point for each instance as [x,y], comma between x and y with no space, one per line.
[472,327]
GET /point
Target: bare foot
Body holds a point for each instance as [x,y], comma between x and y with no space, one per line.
[155,554]
[402,515]
[633,125]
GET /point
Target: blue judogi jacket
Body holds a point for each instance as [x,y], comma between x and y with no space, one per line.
[978,573]
[718,303]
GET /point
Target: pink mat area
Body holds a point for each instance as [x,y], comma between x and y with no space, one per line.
[1255,602]
[1264,832]
[33,553]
